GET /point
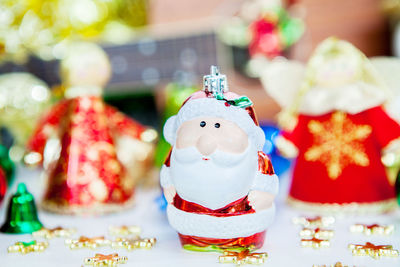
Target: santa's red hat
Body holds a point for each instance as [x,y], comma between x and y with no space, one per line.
[215,100]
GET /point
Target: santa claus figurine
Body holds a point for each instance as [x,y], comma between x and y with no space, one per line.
[336,125]
[218,183]
[88,147]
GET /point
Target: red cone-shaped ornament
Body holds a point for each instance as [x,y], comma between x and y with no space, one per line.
[88,147]
[87,177]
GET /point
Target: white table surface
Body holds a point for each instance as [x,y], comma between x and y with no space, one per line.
[282,243]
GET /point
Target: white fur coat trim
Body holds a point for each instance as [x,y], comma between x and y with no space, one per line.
[202,225]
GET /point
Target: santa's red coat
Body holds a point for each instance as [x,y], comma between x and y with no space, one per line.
[236,208]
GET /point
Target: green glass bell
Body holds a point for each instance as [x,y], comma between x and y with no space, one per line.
[21,214]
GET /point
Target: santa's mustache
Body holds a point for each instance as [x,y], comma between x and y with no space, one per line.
[192,155]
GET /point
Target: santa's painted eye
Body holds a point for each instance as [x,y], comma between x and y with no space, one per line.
[202,123]
[217,125]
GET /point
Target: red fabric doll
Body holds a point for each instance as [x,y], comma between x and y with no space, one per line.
[337,127]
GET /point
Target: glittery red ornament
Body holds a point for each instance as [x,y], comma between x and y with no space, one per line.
[3,184]
[89,148]
[87,176]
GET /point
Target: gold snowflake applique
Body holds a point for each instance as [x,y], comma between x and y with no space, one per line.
[338,143]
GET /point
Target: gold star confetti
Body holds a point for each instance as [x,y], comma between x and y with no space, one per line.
[27,247]
[55,232]
[372,229]
[106,260]
[315,243]
[337,264]
[134,243]
[243,257]
[314,222]
[317,233]
[124,230]
[86,242]
[338,143]
[375,251]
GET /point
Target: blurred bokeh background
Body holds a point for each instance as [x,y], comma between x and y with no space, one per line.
[160,49]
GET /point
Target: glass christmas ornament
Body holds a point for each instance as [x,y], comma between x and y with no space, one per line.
[218,183]
[22,215]
[3,185]
[24,98]
[93,154]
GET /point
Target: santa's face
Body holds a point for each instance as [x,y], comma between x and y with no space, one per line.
[213,162]
[208,134]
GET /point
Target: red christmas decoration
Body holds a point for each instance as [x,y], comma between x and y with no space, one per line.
[337,127]
[84,142]
[3,184]
[346,149]
[265,38]
[215,200]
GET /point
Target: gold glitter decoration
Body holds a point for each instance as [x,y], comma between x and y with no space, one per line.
[338,143]
[243,257]
[375,251]
[315,243]
[372,229]
[27,247]
[377,207]
[124,230]
[337,264]
[86,242]
[317,233]
[134,243]
[44,27]
[24,98]
[55,232]
[314,222]
[106,260]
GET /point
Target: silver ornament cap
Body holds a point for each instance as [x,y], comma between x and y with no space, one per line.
[215,82]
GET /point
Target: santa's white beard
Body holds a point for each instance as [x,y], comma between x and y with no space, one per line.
[216,182]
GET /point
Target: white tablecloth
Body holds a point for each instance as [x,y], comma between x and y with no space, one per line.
[282,244]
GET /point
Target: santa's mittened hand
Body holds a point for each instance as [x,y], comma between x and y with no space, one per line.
[260,200]
[169,193]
